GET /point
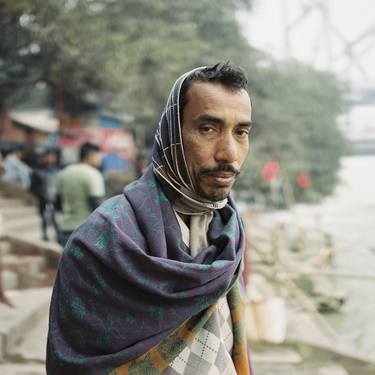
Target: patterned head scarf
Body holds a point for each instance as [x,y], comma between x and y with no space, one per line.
[169,158]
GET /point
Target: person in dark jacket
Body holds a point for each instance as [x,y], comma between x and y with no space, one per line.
[44,187]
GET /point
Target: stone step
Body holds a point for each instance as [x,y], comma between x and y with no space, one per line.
[305,369]
[5,246]
[10,213]
[29,270]
[22,369]
[10,202]
[30,244]
[15,191]
[279,355]
[9,279]
[18,225]
[31,234]
[30,306]
[33,346]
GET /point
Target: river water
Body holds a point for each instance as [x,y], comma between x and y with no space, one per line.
[349,216]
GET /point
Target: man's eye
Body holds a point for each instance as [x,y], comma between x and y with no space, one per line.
[206,129]
[243,132]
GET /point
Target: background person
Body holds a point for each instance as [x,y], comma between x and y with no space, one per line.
[44,187]
[81,189]
[15,169]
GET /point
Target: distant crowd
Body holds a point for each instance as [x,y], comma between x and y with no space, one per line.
[65,195]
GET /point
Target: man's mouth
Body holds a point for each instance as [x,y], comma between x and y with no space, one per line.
[221,176]
[222,179]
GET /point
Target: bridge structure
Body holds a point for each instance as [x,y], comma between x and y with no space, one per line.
[326,35]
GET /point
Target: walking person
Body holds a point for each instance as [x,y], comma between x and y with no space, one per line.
[81,189]
[44,187]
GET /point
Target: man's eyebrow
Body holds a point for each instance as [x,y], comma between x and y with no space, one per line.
[208,118]
[247,124]
[216,120]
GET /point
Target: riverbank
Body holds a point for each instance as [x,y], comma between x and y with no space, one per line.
[349,217]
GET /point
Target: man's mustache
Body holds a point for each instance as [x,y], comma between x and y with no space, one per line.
[208,171]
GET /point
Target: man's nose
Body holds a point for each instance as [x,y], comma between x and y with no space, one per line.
[226,150]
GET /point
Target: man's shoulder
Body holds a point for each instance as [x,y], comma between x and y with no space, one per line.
[72,168]
[79,169]
[115,203]
[114,215]
[91,173]
[115,210]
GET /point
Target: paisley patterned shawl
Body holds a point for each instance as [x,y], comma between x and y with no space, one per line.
[128,297]
[126,283]
[169,161]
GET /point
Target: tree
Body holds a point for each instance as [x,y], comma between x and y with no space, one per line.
[295,110]
[120,52]
[126,54]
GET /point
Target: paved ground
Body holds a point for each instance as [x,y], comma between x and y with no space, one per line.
[22,369]
[23,328]
[23,331]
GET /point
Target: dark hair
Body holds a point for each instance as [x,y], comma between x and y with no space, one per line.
[232,77]
[86,149]
[16,147]
[50,150]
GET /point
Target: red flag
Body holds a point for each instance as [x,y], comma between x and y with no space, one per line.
[303,180]
[270,170]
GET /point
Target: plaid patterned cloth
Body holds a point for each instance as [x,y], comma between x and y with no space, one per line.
[194,350]
[210,351]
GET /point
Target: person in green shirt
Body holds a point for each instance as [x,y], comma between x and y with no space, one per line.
[81,189]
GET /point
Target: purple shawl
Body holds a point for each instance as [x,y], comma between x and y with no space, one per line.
[126,280]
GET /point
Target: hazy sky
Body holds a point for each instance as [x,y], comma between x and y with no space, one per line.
[310,40]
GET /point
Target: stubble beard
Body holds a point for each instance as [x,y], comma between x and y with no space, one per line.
[215,195]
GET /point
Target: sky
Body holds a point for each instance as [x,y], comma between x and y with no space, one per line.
[310,40]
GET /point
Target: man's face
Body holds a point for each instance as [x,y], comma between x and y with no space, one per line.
[215,128]
[50,158]
[94,159]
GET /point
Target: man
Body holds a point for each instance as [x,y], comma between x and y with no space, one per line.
[150,283]
[44,187]
[81,189]
[15,169]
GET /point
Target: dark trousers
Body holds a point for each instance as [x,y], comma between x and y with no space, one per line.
[48,215]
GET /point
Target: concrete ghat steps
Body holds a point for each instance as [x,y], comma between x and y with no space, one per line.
[19,217]
[29,269]
[29,244]
[21,224]
[33,347]
[30,306]
[22,369]
[8,203]
[32,234]
[313,369]
[13,212]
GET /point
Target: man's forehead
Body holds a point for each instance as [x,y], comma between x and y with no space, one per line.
[211,94]
[197,86]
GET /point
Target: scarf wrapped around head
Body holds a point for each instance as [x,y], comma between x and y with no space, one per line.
[128,295]
[169,158]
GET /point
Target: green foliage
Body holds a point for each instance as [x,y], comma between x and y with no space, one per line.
[126,54]
[123,53]
[295,110]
